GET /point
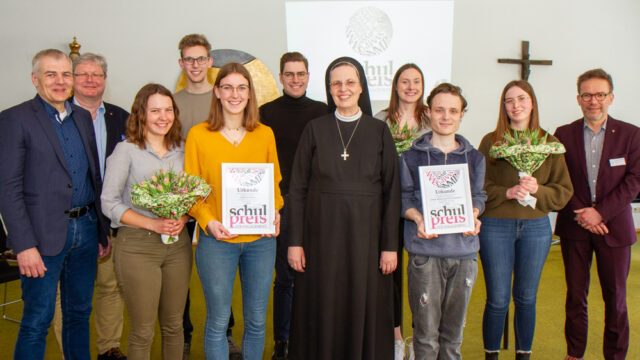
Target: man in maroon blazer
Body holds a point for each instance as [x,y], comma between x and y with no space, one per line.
[603,157]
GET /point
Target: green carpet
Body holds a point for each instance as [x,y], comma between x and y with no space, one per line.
[548,343]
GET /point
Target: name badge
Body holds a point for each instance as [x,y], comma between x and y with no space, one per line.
[617,162]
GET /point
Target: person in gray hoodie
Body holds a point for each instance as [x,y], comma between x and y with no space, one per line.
[442,268]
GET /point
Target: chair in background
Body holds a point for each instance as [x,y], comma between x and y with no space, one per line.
[8,273]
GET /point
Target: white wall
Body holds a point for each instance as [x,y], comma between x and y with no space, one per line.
[576,35]
[140,37]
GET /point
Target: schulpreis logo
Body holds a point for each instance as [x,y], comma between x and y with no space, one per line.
[247,176]
[444,179]
[369,31]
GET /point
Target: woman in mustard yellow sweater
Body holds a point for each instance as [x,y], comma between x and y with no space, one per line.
[232,134]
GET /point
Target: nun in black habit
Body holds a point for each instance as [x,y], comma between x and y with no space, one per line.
[345,200]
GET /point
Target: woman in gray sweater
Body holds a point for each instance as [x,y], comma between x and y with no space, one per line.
[154,276]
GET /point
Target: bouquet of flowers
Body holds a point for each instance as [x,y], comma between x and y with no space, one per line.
[169,195]
[403,137]
[526,151]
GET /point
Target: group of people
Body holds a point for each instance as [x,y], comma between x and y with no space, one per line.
[347,204]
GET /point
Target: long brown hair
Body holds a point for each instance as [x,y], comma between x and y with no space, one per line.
[504,124]
[394,103]
[138,118]
[216,116]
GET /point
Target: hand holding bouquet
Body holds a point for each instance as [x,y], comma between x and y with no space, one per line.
[169,195]
[526,151]
[403,137]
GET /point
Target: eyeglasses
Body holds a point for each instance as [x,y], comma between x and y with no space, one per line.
[586,97]
[350,84]
[87,75]
[300,74]
[229,89]
[519,100]
[200,60]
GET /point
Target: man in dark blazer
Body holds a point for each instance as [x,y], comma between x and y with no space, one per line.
[603,157]
[49,195]
[109,123]
[90,79]
[287,116]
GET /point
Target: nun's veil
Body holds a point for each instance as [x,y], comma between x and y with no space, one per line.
[364,102]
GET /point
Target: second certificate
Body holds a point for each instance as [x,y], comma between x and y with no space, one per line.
[247,198]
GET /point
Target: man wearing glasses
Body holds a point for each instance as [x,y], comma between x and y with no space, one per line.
[194,101]
[287,116]
[109,123]
[194,104]
[603,157]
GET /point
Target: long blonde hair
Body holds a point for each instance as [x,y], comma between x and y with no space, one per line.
[251,118]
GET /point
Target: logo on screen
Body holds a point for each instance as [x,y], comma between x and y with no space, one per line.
[369,31]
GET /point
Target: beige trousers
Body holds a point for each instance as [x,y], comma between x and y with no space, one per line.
[57,322]
[108,310]
[154,279]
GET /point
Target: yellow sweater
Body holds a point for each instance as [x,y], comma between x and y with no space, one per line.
[205,151]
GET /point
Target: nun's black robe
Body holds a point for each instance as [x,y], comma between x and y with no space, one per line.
[343,214]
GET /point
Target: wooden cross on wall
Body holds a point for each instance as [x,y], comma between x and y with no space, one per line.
[525,62]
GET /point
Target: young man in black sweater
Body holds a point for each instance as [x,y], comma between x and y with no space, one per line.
[287,116]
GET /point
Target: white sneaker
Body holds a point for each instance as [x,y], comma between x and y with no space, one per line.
[398,350]
[409,342]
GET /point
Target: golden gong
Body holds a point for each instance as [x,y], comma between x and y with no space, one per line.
[265,84]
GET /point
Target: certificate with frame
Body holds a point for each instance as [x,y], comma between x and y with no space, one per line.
[446,198]
[248,198]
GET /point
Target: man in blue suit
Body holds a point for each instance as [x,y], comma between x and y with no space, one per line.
[49,195]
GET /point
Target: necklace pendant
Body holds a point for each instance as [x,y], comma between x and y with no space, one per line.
[345,154]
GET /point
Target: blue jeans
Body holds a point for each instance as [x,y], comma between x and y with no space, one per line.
[518,248]
[217,263]
[75,268]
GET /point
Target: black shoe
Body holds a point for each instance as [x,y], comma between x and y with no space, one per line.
[234,350]
[491,355]
[523,356]
[280,350]
[112,354]
[186,351]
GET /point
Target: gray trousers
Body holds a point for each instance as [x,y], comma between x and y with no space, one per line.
[439,293]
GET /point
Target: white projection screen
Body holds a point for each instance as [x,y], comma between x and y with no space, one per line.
[382,35]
